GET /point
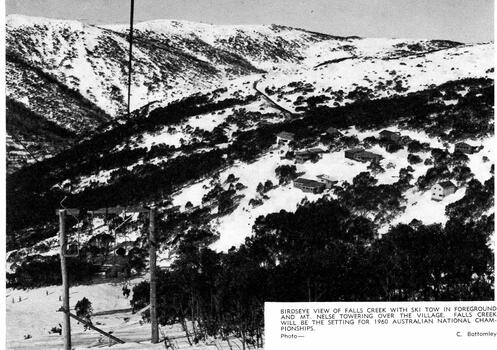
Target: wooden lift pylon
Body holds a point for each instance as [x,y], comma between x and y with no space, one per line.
[152,211]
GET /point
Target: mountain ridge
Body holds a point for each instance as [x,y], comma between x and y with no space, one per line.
[86,65]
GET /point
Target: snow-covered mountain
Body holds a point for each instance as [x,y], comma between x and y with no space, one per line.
[371,78]
[75,75]
[174,58]
[215,95]
[202,142]
[216,170]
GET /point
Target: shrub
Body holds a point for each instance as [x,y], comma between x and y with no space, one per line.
[268,185]
[38,271]
[414,159]
[286,173]
[84,308]
[414,146]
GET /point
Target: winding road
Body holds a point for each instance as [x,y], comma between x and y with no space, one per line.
[272,101]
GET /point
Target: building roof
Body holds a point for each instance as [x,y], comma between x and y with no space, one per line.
[355,150]
[286,135]
[364,153]
[303,153]
[308,182]
[327,178]
[389,133]
[310,152]
[332,130]
[370,154]
[446,184]
[316,150]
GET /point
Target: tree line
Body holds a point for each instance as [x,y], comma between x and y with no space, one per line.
[321,252]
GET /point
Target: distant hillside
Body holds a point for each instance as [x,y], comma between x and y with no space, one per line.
[32,136]
[75,75]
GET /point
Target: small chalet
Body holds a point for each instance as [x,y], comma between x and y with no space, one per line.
[307,185]
[442,189]
[393,147]
[116,266]
[387,135]
[316,150]
[327,180]
[313,154]
[264,123]
[366,156]
[351,153]
[464,148]
[302,157]
[435,100]
[285,137]
[362,155]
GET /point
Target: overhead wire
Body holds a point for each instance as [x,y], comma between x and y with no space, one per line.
[130,61]
[130,75]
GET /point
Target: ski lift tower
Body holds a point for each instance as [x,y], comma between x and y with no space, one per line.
[152,237]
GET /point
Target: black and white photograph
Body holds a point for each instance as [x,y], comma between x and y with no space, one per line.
[173,165]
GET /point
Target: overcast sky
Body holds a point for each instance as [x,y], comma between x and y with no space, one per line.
[461,20]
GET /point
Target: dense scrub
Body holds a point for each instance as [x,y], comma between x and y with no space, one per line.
[471,116]
[96,112]
[322,252]
[38,271]
[32,197]
[23,121]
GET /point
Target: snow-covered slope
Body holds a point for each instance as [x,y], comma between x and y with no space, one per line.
[211,99]
[235,227]
[276,47]
[34,312]
[173,58]
[75,75]
[372,77]
[93,61]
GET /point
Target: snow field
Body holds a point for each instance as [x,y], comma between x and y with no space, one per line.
[417,73]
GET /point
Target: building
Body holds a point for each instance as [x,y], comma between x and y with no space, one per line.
[387,135]
[366,156]
[435,100]
[313,154]
[327,180]
[392,147]
[362,155]
[285,137]
[442,189]
[351,153]
[316,150]
[464,148]
[303,156]
[307,185]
